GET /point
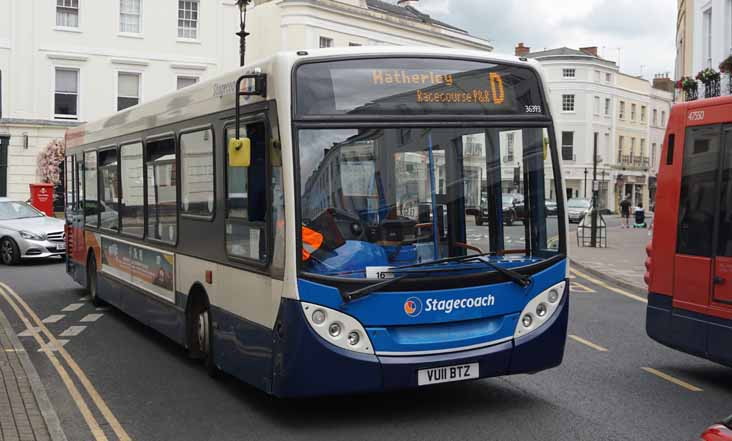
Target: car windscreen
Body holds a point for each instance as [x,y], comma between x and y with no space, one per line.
[17,210]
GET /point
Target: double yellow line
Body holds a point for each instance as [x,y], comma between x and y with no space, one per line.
[50,348]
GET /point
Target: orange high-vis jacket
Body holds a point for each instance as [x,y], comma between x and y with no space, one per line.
[311,242]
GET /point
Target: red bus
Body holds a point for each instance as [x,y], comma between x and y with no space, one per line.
[689,265]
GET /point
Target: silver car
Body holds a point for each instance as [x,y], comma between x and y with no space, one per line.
[26,233]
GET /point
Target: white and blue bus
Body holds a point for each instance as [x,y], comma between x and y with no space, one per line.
[304,223]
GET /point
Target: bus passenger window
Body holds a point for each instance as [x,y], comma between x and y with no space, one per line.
[90,204]
[670,151]
[132,204]
[247,198]
[197,173]
[109,197]
[162,201]
[698,191]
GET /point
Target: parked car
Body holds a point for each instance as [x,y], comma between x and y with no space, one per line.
[577,209]
[513,209]
[26,233]
[721,431]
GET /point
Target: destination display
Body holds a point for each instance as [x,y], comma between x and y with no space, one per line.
[404,86]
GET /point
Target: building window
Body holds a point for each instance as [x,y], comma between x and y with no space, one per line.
[632,112]
[197,173]
[130,16]
[569,73]
[597,105]
[621,114]
[608,77]
[162,201]
[128,90]
[707,37]
[186,81]
[67,13]
[354,44]
[510,139]
[567,103]
[663,118]
[326,42]
[597,75]
[655,117]
[607,106]
[642,152]
[188,19]
[643,113]
[66,96]
[653,154]
[132,200]
[621,141]
[632,147]
[568,146]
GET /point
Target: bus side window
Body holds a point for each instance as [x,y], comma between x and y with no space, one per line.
[670,151]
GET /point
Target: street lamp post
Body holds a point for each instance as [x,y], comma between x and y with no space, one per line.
[243,34]
[585,182]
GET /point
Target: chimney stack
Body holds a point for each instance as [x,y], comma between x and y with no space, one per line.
[522,51]
[663,82]
[590,50]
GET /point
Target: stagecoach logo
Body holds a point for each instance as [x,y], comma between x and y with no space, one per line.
[413,307]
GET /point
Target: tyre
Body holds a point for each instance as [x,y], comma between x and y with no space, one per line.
[510,218]
[9,251]
[91,282]
[202,344]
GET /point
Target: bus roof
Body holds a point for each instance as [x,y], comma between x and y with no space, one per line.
[217,94]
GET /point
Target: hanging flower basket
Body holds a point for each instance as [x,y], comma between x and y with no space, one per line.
[687,84]
[708,76]
[726,65]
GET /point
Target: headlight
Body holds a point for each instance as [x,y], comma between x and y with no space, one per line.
[338,328]
[540,309]
[31,236]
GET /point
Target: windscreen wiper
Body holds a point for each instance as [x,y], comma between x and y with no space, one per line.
[512,275]
[363,292]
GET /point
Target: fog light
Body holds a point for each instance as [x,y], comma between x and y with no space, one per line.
[553,296]
[318,316]
[541,310]
[353,338]
[334,329]
[527,320]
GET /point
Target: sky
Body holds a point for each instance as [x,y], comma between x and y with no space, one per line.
[639,34]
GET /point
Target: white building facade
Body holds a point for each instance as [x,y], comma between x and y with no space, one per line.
[712,33]
[64,62]
[593,102]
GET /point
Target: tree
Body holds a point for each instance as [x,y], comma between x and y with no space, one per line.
[50,160]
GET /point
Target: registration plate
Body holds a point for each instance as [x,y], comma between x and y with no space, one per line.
[446,374]
[60,246]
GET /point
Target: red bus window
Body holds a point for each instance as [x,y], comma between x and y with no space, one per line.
[670,151]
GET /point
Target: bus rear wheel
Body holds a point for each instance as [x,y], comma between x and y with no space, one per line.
[91,281]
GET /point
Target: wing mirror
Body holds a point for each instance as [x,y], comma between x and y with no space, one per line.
[240,152]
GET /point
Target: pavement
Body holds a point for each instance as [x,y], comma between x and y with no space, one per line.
[622,262]
[124,381]
[26,413]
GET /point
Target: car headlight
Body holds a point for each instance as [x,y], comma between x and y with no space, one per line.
[32,236]
[338,328]
[540,309]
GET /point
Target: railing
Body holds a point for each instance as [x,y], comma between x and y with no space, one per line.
[634,161]
[713,89]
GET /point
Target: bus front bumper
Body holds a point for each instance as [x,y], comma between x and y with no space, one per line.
[306,365]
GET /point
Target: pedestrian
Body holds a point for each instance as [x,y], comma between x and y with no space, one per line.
[625,211]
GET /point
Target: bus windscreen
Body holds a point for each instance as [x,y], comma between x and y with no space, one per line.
[416,86]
